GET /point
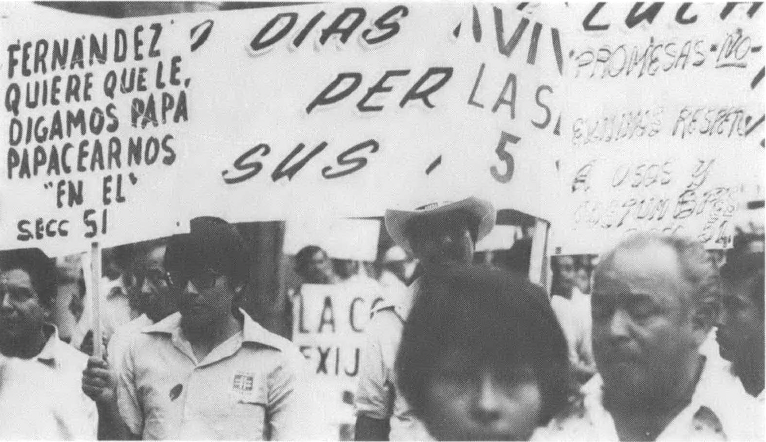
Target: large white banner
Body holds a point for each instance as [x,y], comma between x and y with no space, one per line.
[352,109]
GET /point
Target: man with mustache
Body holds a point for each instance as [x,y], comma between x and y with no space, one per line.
[651,315]
[435,234]
[209,372]
[40,395]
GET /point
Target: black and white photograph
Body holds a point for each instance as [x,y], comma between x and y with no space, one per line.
[382,220]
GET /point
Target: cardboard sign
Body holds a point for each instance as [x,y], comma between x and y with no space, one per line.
[328,328]
[352,109]
[664,125]
[93,114]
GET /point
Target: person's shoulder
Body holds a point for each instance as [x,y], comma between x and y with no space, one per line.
[571,423]
[70,357]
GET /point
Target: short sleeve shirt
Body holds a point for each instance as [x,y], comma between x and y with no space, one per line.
[720,410]
[42,398]
[251,386]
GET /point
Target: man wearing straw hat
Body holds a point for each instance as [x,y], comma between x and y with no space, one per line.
[434,234]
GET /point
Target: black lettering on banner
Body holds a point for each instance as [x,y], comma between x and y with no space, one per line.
[357,162]
[504,156]
[353,373]
[510,81]
[92,224]
[280,171]
[306,29]
[634,17]
[547,109]
[324,98]
[415,94]
[378,88]
[351,315]
[507,48]
[586,24]
[322,367]
[258,43]
[681,12]
[242,164]
[392,27]
[345,33]
[328,316]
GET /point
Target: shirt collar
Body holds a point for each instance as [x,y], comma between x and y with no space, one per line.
[716,390]
[48,355]
[251,330]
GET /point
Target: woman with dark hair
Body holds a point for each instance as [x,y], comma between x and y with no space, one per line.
[482,356]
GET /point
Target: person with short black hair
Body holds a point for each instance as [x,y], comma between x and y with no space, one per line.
[58,409]
[740,324]
[314,266]
[482,355]
[210,371]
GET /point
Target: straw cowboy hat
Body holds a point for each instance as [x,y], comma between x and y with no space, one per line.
[480,211]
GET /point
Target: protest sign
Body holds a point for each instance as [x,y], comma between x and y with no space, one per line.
[352,109]
[355,239]
[663,124]
[328,328]
[92,116]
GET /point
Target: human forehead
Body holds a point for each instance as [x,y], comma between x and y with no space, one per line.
[15,278]
[647,270]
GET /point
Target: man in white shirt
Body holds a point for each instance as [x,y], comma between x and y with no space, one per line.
[650,319]
[572,309]
[40,396]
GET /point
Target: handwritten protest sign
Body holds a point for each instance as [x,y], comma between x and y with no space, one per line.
[663,125]
[92,115]
[352,109]
[328,327]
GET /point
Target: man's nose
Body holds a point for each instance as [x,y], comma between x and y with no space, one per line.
[722,318]
[146,287]
[619,326]
[486,407]
[6,301]
[191,288]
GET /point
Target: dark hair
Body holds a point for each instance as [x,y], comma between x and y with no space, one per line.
[749,269]
[40,268]
[211,243]
[304,257]
[494,317]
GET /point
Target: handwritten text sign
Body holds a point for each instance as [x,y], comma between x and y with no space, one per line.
[91,117]
[663,125]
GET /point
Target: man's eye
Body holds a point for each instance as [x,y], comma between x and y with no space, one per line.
[642,310]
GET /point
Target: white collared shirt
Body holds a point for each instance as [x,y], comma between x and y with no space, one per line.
[42,398]
[720,409]
[253,386]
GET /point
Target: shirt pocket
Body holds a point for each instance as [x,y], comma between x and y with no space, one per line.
[247,417]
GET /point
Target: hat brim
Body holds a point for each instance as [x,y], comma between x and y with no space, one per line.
[479,210]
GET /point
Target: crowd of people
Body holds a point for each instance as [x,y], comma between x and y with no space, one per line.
[652,340]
